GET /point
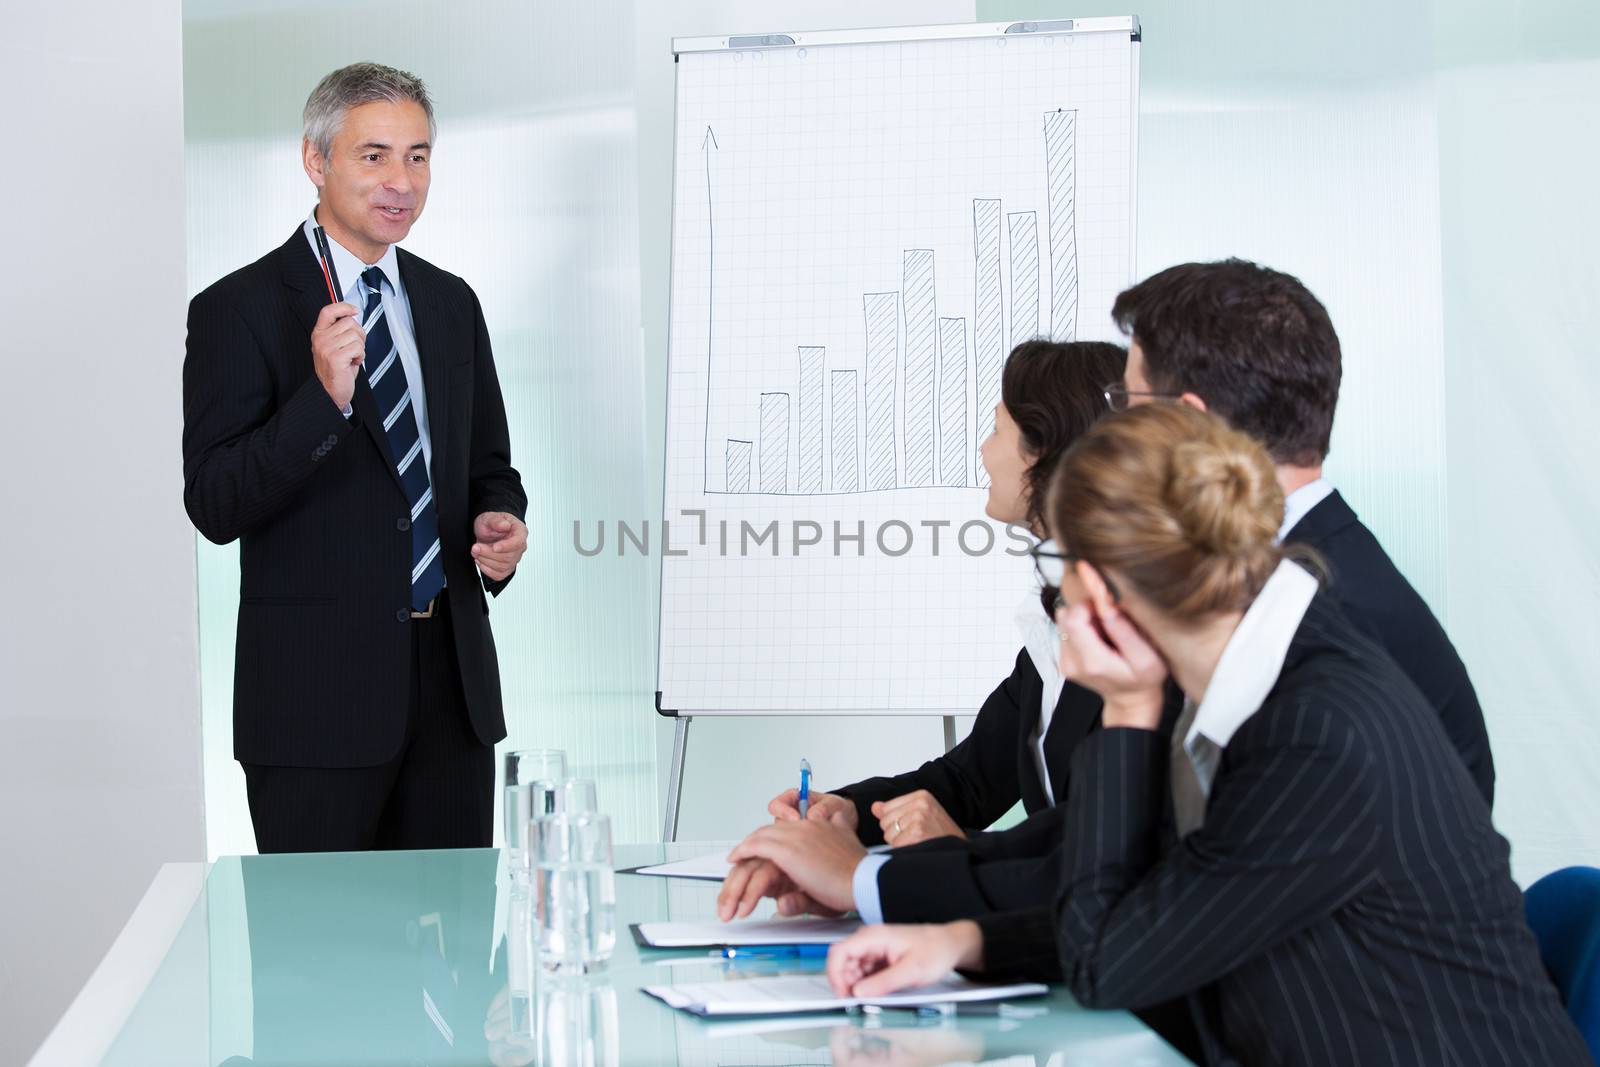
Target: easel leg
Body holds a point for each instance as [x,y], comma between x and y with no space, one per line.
[949,732]
[680,748]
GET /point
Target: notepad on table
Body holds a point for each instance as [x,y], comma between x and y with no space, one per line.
[792,993]
[715,934]
[712,867]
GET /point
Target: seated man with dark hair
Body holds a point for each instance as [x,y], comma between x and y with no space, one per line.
[1254,346]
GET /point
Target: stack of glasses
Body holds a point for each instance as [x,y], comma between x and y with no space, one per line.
[559,851]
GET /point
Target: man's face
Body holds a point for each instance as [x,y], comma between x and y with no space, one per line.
[374,180]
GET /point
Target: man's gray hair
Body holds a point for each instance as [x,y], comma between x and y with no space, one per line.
[352,86]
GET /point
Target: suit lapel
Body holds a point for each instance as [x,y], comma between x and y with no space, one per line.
[1032,790]
[302,272]
[1077,711]
[1330,516]
[433,349]
[366,408]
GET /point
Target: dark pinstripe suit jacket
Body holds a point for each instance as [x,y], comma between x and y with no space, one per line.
[1346,902]
[322,676]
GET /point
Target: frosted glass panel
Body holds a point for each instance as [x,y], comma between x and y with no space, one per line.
[1520,220]
[535,202]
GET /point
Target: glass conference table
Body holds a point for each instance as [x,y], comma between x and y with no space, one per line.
[400,958]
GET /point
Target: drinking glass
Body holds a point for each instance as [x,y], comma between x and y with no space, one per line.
[575,796]
[576,890]
[564,796]
[523,768]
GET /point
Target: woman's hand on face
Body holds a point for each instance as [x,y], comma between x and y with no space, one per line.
[1117,661]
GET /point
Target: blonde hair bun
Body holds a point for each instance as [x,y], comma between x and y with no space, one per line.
[1184,508]
[1224,494]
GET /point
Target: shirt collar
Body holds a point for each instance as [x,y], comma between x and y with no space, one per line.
[1253,657]
[1039,636]
[349,267]
[1298,504]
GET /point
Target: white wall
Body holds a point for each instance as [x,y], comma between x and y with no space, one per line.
[99,694]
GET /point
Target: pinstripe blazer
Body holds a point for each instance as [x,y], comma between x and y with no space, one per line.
[1377,598]
[322,674]
[1347,900]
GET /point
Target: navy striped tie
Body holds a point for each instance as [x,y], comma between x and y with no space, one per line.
[393,394]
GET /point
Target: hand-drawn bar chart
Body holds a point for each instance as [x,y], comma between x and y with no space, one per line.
[864,226]
[907,384]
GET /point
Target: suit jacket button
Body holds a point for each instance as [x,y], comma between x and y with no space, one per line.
[403,523]
[402,615]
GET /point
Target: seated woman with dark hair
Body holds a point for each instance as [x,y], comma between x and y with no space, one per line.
[1018,748]
[1334,891]
[1050,394]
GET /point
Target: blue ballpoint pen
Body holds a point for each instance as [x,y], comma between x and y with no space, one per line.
[805,787]
[776,952]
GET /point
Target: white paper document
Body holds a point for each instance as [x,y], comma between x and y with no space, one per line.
[784,994]
[758,932]
[712,867]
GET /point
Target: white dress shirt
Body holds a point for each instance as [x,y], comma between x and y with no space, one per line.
[1246,672]
[396,308]
[1300,502]
[1043,643]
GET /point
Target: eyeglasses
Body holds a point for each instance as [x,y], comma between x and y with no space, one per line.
[1049,563]
[1120,398]
[1050,567]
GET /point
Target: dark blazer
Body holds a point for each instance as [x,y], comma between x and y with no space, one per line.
[323,670]
[1346,901]
[951,879]
[1378,599]
[993,767]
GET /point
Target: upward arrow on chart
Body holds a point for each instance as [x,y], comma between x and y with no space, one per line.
[708,143]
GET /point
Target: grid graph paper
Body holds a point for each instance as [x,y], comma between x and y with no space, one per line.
[861,233]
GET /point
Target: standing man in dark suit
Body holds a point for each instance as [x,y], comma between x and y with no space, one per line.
[357,448]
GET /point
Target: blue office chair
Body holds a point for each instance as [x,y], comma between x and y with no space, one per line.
[1564,910]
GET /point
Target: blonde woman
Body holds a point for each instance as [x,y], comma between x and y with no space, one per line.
[1334,892]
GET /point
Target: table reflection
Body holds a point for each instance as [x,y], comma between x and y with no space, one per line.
[388,960]
[409,958]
